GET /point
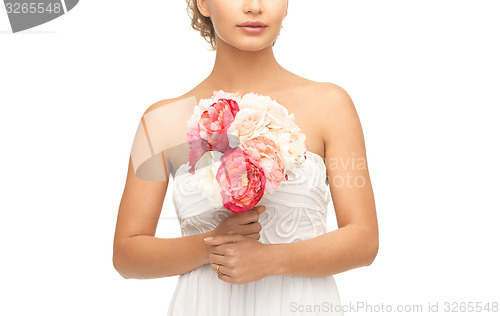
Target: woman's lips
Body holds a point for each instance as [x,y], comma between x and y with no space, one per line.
[253,29]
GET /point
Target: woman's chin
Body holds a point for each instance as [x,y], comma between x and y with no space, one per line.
[252,45]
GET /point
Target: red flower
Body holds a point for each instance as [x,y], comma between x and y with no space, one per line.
[211,134]
[242,180]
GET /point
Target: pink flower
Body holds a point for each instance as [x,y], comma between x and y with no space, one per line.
[211,133]
[242,180]
[267,153]
[197,147]
[215,121]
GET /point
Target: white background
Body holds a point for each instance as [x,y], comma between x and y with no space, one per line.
[424,76]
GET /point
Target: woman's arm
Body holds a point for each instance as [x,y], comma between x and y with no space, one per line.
[136,252]
[355,242]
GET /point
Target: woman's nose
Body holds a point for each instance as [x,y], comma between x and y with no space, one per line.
[253,6]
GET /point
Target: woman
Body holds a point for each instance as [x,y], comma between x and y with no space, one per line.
[277,258]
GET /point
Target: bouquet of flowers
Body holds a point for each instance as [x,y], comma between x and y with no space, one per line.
[241,148]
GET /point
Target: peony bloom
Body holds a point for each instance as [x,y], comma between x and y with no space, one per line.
[249,123]
[267,153]
[242,180]
[215,121]
[206,170]
[210,134]
[292,146]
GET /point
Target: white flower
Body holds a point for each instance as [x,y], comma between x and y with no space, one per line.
[221,94]
[258,102]
[205,175]
[248,123]
[192,122]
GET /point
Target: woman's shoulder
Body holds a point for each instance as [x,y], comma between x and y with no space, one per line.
[323,100]
[321,92]
[330,106]
[325,92]
[330,99]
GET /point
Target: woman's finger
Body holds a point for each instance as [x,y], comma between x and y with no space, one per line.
[255,236]
[222,269]
[223,239]
[249,228]
[217,259]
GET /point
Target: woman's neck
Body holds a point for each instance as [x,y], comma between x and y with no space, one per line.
[244,71]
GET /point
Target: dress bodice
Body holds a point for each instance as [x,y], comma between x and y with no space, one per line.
[296,211]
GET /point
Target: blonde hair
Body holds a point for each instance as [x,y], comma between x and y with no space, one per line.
[203,24]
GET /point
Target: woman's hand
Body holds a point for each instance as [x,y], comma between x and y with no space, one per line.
[246,224]
[241,259]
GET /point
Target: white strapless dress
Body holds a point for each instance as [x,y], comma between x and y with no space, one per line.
[296,211]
